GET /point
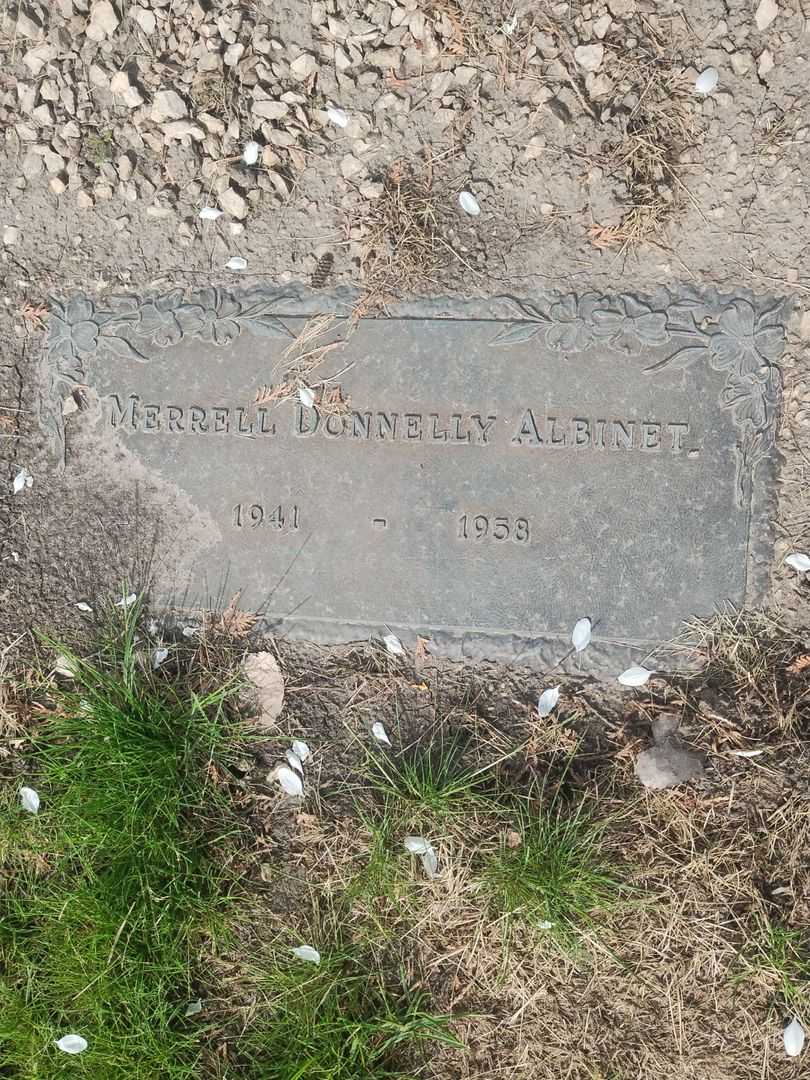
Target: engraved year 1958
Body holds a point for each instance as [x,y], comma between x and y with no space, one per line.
[252,515]
[485,527]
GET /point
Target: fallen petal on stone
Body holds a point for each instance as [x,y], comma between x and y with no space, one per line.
[210,213]
[306,396]
[236,262]
[799,561]
[581,634]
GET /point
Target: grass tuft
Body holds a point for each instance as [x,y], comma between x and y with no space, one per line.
[101,931]
[340,1021]
[551,868]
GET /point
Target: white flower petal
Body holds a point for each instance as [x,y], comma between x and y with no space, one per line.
[306,396]
[126,601]
[289,781]
[793,1036]
[29,800]
[236,262]
[294,761]
[706,81]
[210,213]
[72,1044]
[159,656]
[635,676]
[468,203]
[307,953]
[379,733]
[22,480]
[301,750]
[84,607]
[430,862]
[581,634]
[417,845]
[193,1008]
[64,666]
[250,155]
[799,561]
[544,924]
[746,753]
[547,701]
[393,644]
[337,116]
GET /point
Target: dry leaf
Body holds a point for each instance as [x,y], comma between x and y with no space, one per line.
[262,670]
[800,664]
[234,622]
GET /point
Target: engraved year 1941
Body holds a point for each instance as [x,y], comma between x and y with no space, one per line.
[485,527]
[252,515]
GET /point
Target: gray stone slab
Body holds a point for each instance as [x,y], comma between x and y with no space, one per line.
[499,469]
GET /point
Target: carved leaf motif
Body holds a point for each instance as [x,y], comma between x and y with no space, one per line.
[266,326]
[683,358]
[517,333]
[119,346]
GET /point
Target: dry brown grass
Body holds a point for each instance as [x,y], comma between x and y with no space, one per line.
[403,249]
[672,983]
[653,103]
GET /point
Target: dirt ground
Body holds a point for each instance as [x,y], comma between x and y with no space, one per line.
[597,169]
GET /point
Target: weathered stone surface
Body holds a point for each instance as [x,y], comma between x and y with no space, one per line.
[667,764]
[496,469]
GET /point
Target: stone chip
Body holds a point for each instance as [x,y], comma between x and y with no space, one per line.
[103,20]
[589,57]
[668,763]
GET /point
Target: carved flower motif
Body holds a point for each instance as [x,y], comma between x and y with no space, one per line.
[744,342]
[752,397]
[73,329]
[218,315]
[628,325]
[570,327]
[159,319]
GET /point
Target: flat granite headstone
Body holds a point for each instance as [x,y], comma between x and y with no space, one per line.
[479,473]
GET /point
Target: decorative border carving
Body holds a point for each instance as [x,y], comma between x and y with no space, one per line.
[733,335]
[130,327]
[738,340]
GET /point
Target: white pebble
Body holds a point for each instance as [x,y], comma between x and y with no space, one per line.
[337,116]
[236,262]
[210,213]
